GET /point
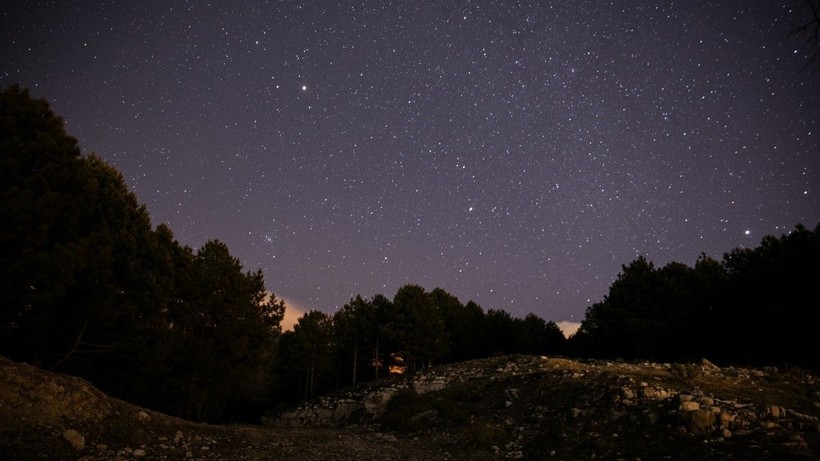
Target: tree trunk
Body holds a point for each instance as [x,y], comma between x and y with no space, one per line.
[355,360]
[73,348]
[312,372]
[376,359]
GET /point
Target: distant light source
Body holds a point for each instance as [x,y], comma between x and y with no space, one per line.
[396,370]
[397,366]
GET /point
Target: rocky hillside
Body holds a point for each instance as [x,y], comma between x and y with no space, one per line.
[516,407]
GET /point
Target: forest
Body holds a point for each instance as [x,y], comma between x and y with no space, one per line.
[91,288]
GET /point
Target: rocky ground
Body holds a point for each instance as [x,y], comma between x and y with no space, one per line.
[516,407]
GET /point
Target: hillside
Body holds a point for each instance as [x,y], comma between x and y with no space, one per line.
[514,407]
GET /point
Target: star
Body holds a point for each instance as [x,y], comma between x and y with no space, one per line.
[557,156]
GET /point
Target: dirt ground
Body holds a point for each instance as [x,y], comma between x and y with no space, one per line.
[520,408]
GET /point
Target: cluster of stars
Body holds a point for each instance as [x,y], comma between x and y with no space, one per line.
[514,153]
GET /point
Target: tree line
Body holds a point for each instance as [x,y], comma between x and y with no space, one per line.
[89,287]
[754,307]
[368,338]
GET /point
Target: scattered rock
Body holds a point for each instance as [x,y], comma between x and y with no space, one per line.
[75,439]
[776,412]
[699,420]
[689,406]
[708,366]
[515,407]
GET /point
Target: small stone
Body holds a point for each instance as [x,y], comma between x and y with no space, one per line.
[139,453]
[143,417]
[708,366]
[768,425]
[689,406]
[727,418]
[727,433]
[189,454]
[101,447]
[652,418]
[75,439]
[700,420]
[777,412]
[627,393]
[387,437]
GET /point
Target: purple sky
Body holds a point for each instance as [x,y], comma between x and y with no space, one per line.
[515,153]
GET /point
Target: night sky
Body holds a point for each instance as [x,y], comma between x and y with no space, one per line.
[516,153]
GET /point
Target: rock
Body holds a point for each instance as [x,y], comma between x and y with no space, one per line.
[628,393]
[700,420]
[803,417]
[726,419]
[138,453]
[423,414]
[689,406]
[651,418]
[387,437]
[376,402]
[776,412]
[143,417]
[768,425]
[75,439]
[429,384]
[654,393]
[708,366]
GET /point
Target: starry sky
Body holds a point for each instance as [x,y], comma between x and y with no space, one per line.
[515,153]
